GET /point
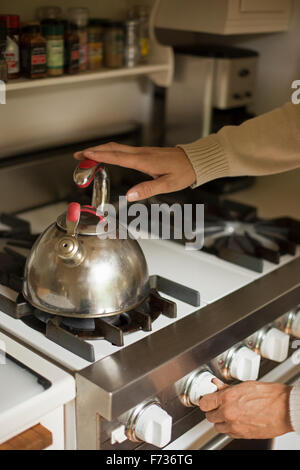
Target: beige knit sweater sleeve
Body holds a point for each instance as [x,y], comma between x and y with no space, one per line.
[266,144]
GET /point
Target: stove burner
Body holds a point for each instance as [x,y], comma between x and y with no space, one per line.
[236,234]
[71,332]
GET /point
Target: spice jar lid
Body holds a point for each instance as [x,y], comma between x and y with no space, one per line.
[53,29]
[52,13]
[79,16]
[12,21]
[33,27]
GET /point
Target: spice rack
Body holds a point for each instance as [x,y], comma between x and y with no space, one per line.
[155,71]
[159,68]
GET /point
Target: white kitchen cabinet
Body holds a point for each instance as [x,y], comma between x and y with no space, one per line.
[225,16]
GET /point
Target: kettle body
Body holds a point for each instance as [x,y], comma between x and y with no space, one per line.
[73,271]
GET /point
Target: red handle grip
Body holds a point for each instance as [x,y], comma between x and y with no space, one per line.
[73,214]
[84,164]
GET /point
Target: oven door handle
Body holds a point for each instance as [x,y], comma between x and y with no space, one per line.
[217,443]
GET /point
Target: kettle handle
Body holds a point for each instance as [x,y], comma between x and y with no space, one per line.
[73,218]
[88,171]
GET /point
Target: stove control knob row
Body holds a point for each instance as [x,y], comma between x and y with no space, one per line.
[194,386]
[244,364]
[295,327]
[270,343]
[239,362]
[290,322]
[149,423]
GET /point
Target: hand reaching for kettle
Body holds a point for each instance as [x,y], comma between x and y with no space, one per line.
[170,168]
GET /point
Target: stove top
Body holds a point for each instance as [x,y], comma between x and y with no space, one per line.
[187,281]
[235,233]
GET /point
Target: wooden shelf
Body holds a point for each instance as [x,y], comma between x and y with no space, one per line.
[103,74]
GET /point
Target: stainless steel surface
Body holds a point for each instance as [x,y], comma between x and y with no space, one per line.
[101,187]
[132,417]
[218,442]
[45,176]
[166,356]
[183,387]
[70,274]
[38,180]
[222,363]
[112,276]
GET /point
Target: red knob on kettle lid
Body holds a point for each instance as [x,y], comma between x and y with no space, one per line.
[73,214]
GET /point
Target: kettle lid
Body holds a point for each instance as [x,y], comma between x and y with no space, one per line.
[87,222]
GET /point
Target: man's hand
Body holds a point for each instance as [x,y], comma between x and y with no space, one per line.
[170,168]
[250,410]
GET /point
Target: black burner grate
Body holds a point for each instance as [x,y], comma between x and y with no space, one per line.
[234,232]
[74,333]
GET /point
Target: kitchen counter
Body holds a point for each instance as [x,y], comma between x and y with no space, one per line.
[275,196]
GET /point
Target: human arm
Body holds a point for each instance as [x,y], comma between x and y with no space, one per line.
[267,144]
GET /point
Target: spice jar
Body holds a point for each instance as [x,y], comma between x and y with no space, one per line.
[141,13]
[72,49]
[54,34]
[79,17]
[114,44]
[33,52]
[132,45]
[3,64]
[12,51]
[95,44]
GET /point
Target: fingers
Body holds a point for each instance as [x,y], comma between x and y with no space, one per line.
[223,428]
[127,160]
[210,402]
[109,147]
[215,416]
[219,384]
[148,189]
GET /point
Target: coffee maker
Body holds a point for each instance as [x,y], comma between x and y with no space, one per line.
[213,87]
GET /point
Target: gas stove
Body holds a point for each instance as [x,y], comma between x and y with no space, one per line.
[209,313]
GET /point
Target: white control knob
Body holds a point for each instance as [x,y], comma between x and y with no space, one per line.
[245,364]
[275,345]
[154,426]
[295,330]
[201,385]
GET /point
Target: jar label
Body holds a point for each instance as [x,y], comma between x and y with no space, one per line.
[55,53]
[34,60]
[145,47]
[12,57]
[95,54]
[83,54]
[72,56]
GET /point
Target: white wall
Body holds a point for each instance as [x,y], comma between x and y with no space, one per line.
[51,116]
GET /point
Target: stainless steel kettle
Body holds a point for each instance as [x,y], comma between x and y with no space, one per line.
[72,271]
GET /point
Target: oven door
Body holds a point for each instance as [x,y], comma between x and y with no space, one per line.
[204,437]
[36,400]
